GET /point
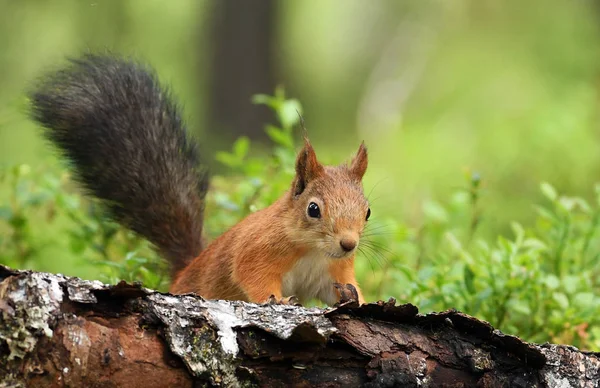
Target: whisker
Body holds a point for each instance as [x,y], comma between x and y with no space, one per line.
[367,235]
[377,246]
[373,188]
[368,260]
[374,252]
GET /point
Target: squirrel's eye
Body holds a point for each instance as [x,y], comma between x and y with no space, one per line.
[313,210]
[368,213]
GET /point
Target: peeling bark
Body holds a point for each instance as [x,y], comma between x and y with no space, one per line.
[57,331]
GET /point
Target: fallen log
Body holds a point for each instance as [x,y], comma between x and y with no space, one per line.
[59,331]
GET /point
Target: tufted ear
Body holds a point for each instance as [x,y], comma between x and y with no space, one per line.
[307,168]
[358,166]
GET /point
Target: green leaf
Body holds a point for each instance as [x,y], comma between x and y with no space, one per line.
[454,242]
[551,281]
[435,212]
[506,245]
[469,279]
[584,299]
[518,231]
[545,213]
[549,191]
[571,283]
[264,99]
[561,299]
[278,136]
[583,205]
[567,203]
[534,244]
[289,113]
[520,307]
[227,159]
[23,170]
[241,147]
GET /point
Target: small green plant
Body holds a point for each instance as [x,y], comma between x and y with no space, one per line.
[44,221]
[541,283]
[255,182]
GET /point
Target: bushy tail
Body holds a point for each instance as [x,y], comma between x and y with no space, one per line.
[127,143]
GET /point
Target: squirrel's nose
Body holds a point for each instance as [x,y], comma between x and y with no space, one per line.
[348,244]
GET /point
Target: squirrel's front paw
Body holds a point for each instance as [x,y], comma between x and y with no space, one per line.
[289,301]
[348,294]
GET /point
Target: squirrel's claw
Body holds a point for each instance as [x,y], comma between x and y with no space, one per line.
[348,294]
[289,301]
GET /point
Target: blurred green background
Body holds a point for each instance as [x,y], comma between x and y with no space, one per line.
[507,90]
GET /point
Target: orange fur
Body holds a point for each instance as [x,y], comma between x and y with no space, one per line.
[282,248]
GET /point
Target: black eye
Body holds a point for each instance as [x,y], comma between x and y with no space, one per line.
[368,213]
[313,210]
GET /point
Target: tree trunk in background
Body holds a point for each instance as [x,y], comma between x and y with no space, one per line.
[242,65]
[58,331]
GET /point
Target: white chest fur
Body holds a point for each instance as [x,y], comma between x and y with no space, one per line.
[310,278]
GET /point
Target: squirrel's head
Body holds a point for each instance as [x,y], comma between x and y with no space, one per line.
[330,208]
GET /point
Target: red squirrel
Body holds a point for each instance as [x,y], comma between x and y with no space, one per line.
[128,146]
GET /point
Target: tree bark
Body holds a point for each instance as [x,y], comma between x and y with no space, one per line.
[57,331]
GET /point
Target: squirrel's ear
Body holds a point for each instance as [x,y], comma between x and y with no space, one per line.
[358,166]
[307,168]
